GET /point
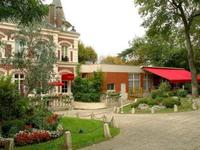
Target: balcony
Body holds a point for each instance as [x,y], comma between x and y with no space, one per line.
[65,58]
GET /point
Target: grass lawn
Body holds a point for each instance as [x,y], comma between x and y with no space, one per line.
[92,133]
[186,105]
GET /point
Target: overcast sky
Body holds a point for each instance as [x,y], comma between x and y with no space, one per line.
[106,25]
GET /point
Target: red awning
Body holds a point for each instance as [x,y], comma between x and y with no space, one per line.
[56,83]
[174,75]
[67,76]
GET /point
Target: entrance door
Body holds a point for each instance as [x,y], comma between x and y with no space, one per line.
[123,88]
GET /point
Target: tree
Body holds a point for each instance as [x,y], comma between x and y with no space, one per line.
[86,54]
[156,51]
[112,60]
[24,11]
[36,58]
[165,16]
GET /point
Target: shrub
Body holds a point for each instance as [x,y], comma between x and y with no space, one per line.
[13,105]
[10,128]
[157,93]
[164,86]
[147,101]
[27,137]
[170,102]
[182,93]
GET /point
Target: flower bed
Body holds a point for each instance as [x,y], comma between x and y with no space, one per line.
[35,136]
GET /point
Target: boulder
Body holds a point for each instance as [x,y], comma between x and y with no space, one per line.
[143,106]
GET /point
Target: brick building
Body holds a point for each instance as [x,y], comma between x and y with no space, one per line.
[64,36]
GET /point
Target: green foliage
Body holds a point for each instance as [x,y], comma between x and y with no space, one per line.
[157,93]
[10,128]
[165,86]
[147,101]
[88,90]
[112,60]
[86,54]
[24,11]
[12,104]
[170,102]
[40,71]
[182,93]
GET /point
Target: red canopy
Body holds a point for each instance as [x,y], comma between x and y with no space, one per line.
[56,83]
[67,76]
[174,75]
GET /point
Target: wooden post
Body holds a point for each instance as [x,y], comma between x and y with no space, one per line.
[68,140]
[106,130]
[194,106]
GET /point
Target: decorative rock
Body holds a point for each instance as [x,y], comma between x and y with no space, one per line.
[68,140]
[194,106]
[175,108]
[106,130]
[113,123]
[133,110]
[159,107]
[152,110]
[143,106]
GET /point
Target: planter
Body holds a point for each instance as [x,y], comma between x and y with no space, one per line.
[89,106]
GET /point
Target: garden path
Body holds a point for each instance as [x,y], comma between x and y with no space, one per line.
[175,131]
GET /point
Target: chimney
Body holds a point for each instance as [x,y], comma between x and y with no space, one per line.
[51,14]
[59,16]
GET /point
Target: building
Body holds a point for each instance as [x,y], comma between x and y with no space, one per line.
[64,36]
[135,81]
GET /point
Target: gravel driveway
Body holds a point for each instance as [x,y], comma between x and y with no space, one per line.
[175,131]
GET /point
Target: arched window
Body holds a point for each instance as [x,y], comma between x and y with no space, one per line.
[65,53]
[19,45]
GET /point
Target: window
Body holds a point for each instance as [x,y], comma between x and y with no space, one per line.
[145,82]
[19,45]
[71,55]
[111,86]
[64,87]
[64,53]
[19,81]
[134,83]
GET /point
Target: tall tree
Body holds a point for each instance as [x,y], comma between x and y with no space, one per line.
[36,57]
[24,11]
[86,54]
[163,16]
[112,60]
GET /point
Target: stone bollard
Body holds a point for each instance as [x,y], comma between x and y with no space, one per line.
[175,108]
[68,140]
[105,119]
[194,106]
[114,109]
[133,110]
[113,123]
[7,143]
[77,115]
[92,116]
[122,110]
[117,110]
[152,110]
[106,130]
